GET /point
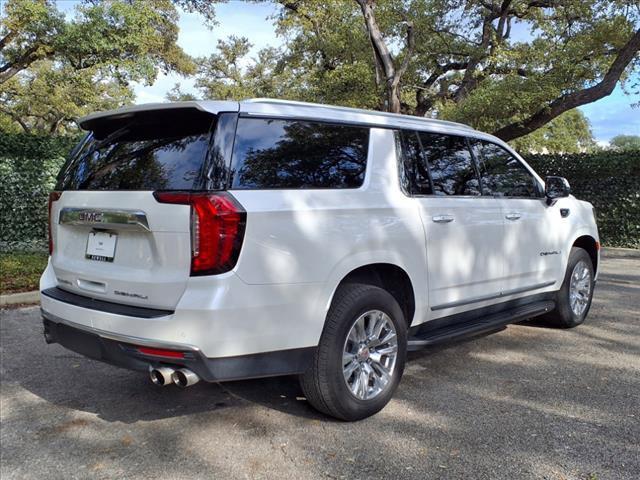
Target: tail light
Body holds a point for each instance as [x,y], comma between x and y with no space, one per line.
[217,229]
[53,197]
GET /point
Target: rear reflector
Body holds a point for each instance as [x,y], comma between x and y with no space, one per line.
[217,229]
[158,352]
[53,197]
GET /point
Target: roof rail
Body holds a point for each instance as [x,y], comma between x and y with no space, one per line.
[294,103]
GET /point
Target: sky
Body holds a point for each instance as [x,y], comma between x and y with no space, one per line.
[610,116]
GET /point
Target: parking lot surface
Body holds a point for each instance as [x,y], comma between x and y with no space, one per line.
[528,402]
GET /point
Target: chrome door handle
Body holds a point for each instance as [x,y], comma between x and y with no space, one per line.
[512,216]
[442,218]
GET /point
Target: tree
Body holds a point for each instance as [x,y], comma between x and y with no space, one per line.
[48,62]
[230,74]
[568,133]
[461,60]
[48,98]
[625,142]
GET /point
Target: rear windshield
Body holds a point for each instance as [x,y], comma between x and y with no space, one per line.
[166,154]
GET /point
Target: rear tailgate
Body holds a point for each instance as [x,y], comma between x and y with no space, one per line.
[111,238]
[151,258]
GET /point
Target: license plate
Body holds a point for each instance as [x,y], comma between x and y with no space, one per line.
[101,246]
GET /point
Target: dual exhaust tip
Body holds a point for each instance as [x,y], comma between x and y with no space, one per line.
[163,376]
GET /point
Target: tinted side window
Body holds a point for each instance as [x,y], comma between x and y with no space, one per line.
[298,154]
[415,176]
[450,164]
[502,174]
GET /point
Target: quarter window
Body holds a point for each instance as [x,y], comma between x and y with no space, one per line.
[502,174]
[298,154]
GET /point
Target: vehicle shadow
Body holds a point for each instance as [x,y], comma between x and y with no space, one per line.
[68,379]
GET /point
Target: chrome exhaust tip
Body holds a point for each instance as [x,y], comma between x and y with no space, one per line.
[161,376]
[184,377]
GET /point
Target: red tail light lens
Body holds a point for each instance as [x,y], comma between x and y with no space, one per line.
[53,197]
[217,229]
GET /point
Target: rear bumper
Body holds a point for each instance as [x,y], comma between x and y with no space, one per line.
[121,351]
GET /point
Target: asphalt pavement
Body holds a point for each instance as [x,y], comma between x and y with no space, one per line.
[528,402]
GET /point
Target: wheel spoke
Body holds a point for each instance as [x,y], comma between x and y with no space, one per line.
[383,374]
[349,369]
[360,331]
[387,350]
[355,386]
[388,337]
[380,323]
[347,358]
[363,384]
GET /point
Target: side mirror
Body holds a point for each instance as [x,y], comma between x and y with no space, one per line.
[556,187]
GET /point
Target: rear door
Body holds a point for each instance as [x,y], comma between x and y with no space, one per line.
[112,239]
[533,234]
[463,229]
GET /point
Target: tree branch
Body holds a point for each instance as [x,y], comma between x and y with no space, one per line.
[407,58]
[7,38]
[383,54]
[11,68]
[17,119]
[575,99]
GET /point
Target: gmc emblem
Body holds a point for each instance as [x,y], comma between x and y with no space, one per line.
[90,217]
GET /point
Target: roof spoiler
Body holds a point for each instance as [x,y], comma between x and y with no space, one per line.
[112,119]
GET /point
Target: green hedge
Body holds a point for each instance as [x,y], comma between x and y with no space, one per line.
[610,181]
[29,164]
[28,167]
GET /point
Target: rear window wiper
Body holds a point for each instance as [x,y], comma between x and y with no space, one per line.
[112,137]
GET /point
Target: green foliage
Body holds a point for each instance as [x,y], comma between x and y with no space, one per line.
[465,63]
[610,181]
[20,271]
[54,69]
[49,98]
[626,142]
[28,167]
[568,133]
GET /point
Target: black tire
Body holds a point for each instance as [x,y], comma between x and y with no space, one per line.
[323,384]
[563,316]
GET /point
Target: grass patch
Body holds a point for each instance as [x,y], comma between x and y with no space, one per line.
[20,271]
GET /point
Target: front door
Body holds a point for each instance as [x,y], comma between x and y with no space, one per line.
[534,232]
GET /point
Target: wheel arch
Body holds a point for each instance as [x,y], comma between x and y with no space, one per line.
[388,276]
[592,247]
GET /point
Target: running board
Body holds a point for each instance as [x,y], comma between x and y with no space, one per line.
[459,331]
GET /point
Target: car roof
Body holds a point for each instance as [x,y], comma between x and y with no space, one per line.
[286,108]
[268,107]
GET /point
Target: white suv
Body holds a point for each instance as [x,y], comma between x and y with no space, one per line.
[223,240]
